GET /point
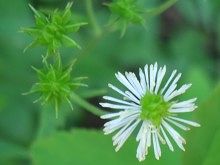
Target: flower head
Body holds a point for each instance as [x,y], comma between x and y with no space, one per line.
[125,12]
[151,107]
[52,30]
[55,85]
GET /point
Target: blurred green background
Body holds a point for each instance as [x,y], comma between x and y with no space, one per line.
[185,37]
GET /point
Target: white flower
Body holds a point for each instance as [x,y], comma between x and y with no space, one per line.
[149,107]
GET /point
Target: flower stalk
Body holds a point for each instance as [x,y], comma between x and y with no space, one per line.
[92,18]
[86,105]
[160,9]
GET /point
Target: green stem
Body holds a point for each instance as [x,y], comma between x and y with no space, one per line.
[56,108]
[93,93]
[89,107]
[57,59]
[92,18]
[47,122]
[160,9]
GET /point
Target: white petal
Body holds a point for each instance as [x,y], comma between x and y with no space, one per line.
[124,136]
[118,100]
[192,123]
[122,130]
[134,82]
[160,76]
[161,138]
[153,72]
[167,139]
[126,83]
[173,85]
[175,135]
[138,85]
[149,138]
[155,146]
[125,116]
[184,104]
[142,130]
[178,124]
[147,77]
[142,80]
[110,115]
[168,82]
[132,97]
[182,110]
[169,92]
[115,106]
[115,124]
[118,90]
[142,149]
[145,142]
[158,144]
[178,92]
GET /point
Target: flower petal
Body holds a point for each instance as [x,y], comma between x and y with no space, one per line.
[178,124]
[182,110]
[134,82]
[167,139]
[160,76]
[184,104]
[178,92]
[175,135]
[192,123]
[126,83]
[147,77]
[168,82]
[142,80]
[120,140]
[119,101]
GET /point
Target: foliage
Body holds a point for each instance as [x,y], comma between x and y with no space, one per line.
[208,115]
[186,36]
[89,147]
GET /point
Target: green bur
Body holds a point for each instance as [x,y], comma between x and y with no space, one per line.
[55,85]
[52,30]
[154,108]
[126,12]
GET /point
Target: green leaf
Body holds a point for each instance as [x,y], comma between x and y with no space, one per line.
[188,46]
[218,33]
[188,10]
[213,153]
[11,151]
[200,79]
[90,147]
[202,141]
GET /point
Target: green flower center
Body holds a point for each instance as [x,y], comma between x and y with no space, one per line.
[154,108]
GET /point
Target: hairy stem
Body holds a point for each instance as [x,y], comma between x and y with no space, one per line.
[87,106]
[160,9]
[56,108]
[57,59]
[92,18]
